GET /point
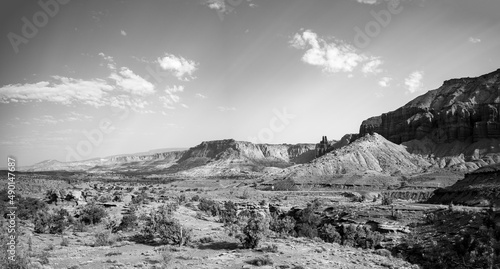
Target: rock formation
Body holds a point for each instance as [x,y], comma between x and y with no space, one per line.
[227,157]
[370,156]
[322,147]
[480,187]
[465,109]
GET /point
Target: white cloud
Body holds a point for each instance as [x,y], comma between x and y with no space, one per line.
[171,98]
[331,57]
[224,109]
[132,83]
[384,82]
[474,40]
[123,33]
[175,88]
[70,91]
[414,81]
[370,2]
[111,62]
[184,106]
[182,69]
[62,90]
[218,5]
[372,66]
[201,96]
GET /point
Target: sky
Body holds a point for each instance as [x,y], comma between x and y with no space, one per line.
[88,79]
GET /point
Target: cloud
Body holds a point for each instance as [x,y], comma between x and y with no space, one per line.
[474,40]
[62,90]
[372,66]
[171,98]
[224,109]
[414,81]
[331,57]
[384,82]
[123,33]
[111,62]
[132,83]
[218,5]
[370,2]
[201,96]
[181,68]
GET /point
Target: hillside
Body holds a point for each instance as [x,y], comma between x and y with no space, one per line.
[480,187]
[220,157]
[367,158]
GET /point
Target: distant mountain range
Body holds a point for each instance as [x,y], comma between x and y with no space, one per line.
[456,127]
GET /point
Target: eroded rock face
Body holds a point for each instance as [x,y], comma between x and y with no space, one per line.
[369,153]
[480,187]
[465,109]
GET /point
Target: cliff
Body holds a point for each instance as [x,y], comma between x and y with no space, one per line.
[210,158]
[465,109]
[480,187]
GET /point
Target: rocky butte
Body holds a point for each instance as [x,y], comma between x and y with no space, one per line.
[464,109]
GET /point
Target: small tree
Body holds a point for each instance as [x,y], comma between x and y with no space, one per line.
[161,224]
[254,230]
[92,213]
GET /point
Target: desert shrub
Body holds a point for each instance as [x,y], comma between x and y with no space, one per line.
[59,221]
[206,239]
[128,222]
[52,223]
[228,215]
[140,198]
[80,227]
[195,198]
[308,221]
[92,213]
[182,198]
[209,206]
[387,200]
[253,231]
[26,206]
[282,225]
[359,236]
[329,234]
[358,199]
[160,224]
[113,253]
[261,261]
[105,198]
[396,214]
[171,207]
[468,248]
[51,196]
[270,248]
[103,238]
[111,223]
[41,221]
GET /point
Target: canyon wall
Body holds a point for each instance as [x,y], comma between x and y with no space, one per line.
[465,109]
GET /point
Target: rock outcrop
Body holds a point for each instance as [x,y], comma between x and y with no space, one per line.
[465,109]
[481,187]
[369,156]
